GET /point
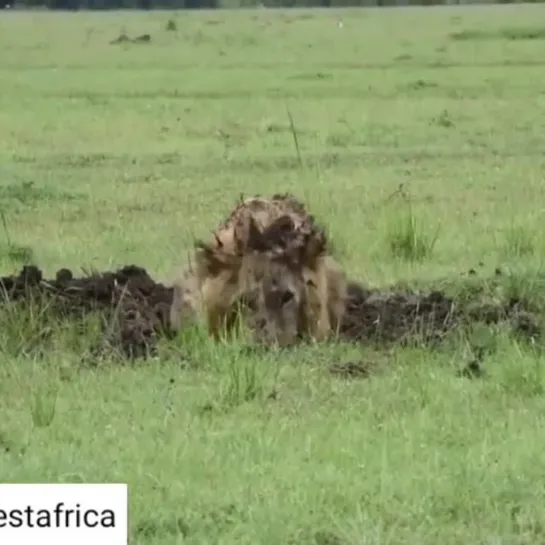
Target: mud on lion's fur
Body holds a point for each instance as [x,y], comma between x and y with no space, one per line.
[232,234]
[270,260]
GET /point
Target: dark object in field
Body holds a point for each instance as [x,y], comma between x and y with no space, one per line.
[386,317]
[350,369]
[143,38]
[398,317]
[472,370]
[135,307]
[123,39]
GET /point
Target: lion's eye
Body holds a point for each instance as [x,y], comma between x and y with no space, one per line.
[286,297]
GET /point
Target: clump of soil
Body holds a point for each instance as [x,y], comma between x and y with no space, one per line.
[400,317]
[351,369]
[123,39]
[136,307]
[385,317]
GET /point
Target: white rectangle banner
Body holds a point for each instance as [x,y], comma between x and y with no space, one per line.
[63,514]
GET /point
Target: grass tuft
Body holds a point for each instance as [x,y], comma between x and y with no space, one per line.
[171,26]
[518,241]
[408,239]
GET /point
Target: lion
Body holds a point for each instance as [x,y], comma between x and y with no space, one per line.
[324,279]
[280,277]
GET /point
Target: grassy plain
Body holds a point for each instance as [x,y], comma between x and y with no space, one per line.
[117,154]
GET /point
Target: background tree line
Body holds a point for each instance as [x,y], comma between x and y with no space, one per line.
[207,4]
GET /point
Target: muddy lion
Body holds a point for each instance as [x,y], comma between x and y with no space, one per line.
[269,264]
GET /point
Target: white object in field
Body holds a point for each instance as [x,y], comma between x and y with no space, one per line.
[64,514]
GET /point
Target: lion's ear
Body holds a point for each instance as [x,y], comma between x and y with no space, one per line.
[314,248]
[256,241]
[210,260]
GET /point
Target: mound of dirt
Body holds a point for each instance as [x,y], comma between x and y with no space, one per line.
[386,317]
[136,308]
[399,317]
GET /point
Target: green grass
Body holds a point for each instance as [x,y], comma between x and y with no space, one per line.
[117,154]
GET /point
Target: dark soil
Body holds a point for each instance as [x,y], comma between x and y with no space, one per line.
[402,317]
[136,310]
[351,369]
[123,39]
[134,306]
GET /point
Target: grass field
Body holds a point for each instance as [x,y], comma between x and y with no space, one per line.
[117,154]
